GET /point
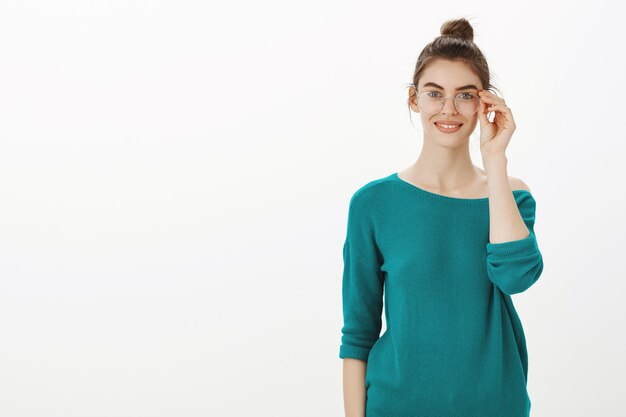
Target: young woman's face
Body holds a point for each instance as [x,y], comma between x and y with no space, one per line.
[444,78]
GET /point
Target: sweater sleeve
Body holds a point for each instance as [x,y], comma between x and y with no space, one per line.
[516,265]
[362,285]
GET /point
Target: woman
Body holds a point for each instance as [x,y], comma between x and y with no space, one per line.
[445,244]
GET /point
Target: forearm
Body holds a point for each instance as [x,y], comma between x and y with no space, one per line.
[354,393]
[505,221]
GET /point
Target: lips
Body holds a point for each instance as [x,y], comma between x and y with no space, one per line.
[448,122]
[445,128]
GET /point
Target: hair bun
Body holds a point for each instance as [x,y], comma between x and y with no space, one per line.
[459,28]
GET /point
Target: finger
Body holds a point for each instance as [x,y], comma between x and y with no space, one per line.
[499,107]
[482,114]
[488,93]
[502,111]
[492,99]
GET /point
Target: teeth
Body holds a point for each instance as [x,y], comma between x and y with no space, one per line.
[447,126]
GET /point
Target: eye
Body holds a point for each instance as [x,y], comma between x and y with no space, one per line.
[466,96]
[433,94]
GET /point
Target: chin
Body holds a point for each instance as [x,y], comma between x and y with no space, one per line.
[451,140]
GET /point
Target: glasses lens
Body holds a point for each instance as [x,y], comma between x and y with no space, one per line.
[431,102]
[466,103]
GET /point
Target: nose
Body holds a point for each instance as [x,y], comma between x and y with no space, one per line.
[448,106]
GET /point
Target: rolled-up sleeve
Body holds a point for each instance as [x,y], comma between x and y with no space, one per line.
[516,265]
[362,285]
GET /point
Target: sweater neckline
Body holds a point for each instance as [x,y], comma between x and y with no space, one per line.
[446,198]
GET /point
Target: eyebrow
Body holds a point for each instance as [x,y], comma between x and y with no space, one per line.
[465,87]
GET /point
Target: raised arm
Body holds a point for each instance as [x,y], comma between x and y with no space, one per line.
[514,265]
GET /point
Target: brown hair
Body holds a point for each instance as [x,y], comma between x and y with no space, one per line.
[455,43]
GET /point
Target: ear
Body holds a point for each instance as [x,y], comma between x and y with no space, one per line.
[413,103]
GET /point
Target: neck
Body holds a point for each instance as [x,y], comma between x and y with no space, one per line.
[444,169]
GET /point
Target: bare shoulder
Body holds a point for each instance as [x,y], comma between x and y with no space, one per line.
[518,184]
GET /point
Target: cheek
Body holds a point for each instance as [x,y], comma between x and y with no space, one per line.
[427,119]
[473,119]
[471,124]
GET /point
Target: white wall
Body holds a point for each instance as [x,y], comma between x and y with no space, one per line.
[174,180]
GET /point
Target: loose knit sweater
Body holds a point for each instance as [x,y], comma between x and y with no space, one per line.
[453,344]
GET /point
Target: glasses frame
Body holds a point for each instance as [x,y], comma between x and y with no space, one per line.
[443,103]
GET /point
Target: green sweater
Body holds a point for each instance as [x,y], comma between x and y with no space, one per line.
[453,344]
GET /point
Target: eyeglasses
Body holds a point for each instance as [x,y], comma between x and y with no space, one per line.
[432,102]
